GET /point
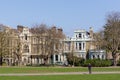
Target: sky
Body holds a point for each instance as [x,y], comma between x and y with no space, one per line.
[66,14]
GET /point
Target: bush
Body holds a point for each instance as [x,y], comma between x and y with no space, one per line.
[39,65]
[76,61]
[97,63]
[118,64]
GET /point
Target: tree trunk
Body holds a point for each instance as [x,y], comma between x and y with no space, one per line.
[0,61]
[114,62]
[114,59]
[45,60]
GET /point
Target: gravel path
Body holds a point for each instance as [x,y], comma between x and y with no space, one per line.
[61,73]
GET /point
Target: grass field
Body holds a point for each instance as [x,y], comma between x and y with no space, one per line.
[51,69]
[65,77]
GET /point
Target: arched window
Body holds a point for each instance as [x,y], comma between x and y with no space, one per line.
[26,48]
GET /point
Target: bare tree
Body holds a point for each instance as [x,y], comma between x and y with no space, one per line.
[112,34]
[12,46]
[55,37]
[4,40]
[48,40]
[99,40]
[39,35]
[17,51]
[72,53]
[2,46]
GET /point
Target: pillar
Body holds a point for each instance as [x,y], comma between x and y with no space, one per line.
[100,56]
[54,59]
[59,56]
[81,45]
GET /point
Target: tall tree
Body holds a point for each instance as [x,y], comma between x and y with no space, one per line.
[99,40]
[39,35]
[48,40]
[112,34]
[17,51]
[3,42]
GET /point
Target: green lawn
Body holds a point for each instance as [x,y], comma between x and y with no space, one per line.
[51,69]
[65,77]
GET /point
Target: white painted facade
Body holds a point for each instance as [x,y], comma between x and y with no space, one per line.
[78,43]
[97,54]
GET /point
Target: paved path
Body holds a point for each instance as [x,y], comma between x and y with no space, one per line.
[60,73]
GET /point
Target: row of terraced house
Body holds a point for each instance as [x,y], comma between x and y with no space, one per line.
[81,44]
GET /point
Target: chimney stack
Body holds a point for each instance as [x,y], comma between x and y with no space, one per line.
[19,28]
[91,32]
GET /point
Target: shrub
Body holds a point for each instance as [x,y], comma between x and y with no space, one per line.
[73,60]
[97,63]
[118,64]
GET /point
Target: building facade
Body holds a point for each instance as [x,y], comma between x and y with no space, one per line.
[43,48]
[79,44]
[25,46]
[97,54]
[82,45]
[49,47]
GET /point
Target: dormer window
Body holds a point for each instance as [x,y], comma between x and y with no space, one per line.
[80,35]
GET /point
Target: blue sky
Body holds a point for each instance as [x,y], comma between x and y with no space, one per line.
[67,14]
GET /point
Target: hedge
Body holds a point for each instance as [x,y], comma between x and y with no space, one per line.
[98,63]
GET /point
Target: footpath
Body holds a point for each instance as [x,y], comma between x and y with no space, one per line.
[60,73]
